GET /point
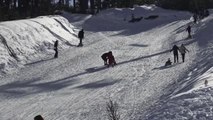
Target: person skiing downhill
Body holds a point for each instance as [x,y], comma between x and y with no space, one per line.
[175,52]
[188,29]
[111,59]
[183,50]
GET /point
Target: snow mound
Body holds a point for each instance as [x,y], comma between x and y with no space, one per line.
[24,40]
[192,95]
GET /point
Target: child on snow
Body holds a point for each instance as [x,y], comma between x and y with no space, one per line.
[168,62]
[105,57]
[108,59]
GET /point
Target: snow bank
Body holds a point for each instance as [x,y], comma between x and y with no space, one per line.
[192,96]
[144,11]
[24,41]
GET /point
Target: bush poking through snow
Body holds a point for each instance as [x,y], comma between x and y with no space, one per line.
[112,110]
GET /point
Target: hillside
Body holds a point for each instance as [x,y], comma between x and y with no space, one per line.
[76,86]
[24,41]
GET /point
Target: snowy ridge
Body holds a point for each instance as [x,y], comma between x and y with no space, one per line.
[25,40]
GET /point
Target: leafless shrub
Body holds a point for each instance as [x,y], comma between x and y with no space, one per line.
[112,110]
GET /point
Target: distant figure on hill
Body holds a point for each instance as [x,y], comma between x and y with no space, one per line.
[56,49]
[38,117]
[188,29]
[183,51]
[111,59]
[175,52]
[195,18]
[168,62]
[206,83]
[105,57]
[81,36]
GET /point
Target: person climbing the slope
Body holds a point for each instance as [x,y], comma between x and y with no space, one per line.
[188,29]
[111,59]
[105,57]
[183,51]
[175,52]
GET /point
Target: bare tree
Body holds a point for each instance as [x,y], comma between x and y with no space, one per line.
[112,110]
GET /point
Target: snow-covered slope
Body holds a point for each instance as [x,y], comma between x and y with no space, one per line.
[24,40]
[191,97]
[76,86]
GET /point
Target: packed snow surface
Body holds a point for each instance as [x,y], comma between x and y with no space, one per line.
[76,86]
[24,40]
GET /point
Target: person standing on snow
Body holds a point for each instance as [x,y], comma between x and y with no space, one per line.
[175,52]
[81,36]
[56,49]
[188,29]
[195,18]
[111,59]
[183,50]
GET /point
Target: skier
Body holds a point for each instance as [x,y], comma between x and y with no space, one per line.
[183,50]
[168,62]
[81,36]
[111,59]
[188,29]
[56,49]
[105,57]
[175,52]
[38,117]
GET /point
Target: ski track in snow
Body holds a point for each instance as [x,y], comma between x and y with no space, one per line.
[76,86]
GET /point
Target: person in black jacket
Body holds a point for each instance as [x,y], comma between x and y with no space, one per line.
[175,50]
[81,36]
[56,49]
[105,57]
[188,29]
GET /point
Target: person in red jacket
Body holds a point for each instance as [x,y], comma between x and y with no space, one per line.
[111,59]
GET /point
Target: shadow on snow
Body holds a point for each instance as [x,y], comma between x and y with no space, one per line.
[98,84]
